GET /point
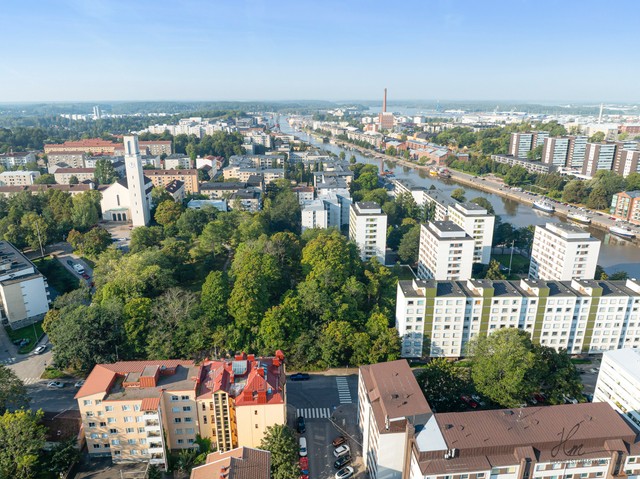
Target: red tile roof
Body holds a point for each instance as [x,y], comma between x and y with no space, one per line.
[150,404]
[240,463]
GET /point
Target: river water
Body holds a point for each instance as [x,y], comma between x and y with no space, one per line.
[616,254]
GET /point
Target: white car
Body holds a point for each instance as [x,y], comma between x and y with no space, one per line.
[55,384]
[40,349]
[341,451]
[303,447]
[345,473]
[79,384]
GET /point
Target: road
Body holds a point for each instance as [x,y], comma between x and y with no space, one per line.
[329,405]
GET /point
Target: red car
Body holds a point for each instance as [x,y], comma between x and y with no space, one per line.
[304,465]
[469,402]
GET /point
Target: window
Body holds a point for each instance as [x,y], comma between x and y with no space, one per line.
[96,446]
[128,419]
[186,408]
[126,407]
[136,407]
[131,441]
[179,432]
[177,420]
[87,402]
[92,424]
[180,441]
[140,430]
[108,408]
[116,453]
[111,420]
[175,409]
[134,452]
[103,424]
[113,431]
[115,442]
[188,419]
[130,430]
[174,398]
[184,398]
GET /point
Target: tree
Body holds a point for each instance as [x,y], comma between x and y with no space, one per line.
[35,230]
[458,194]
[535,154]
[516,176]
[560,377]
[168,212]
[598,199]
[74,180]
[481,201]
[105,173]
[442,384]
[21,439]
[336,343]
[46,179]
[575,191]
[63,455]
[92,243]
[632,182]
[214,297]
[505,368]
[410,245]
[86,210]
[619,275]
[494,271]
[281,442]
[597,137]
[137,318]
[13,394]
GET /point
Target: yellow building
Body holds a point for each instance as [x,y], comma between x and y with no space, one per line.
[164,177]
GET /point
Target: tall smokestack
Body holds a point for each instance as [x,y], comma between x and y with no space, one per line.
[384,102]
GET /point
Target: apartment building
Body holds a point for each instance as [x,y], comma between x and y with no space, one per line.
[627,162]
[328,210]
[562,252]
[439,201]
[324,177]
[619,383]
[598,156]
[243,174]
[529,165]
[239,463]
[67,159]
[18,178]
[446,251]
[164,177]
[577,150]
[478,223]
[522,143]
[23,290]
[304,193]
[626,205]
[73,190]
[177,162]
[555,151]
[368,229]
[17,158]
[137,410]
[438,318]
[390,408]
[92,145]
[63,175]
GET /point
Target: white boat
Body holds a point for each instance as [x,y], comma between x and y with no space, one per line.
[544,206]
[578,218]
[624,232]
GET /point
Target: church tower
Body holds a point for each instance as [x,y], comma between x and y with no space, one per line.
[138,204]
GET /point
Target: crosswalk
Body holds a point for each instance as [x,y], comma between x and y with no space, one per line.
[314,413]
[8,361]
[28,381]
[343,390]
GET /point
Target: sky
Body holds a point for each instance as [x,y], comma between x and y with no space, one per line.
[524,50]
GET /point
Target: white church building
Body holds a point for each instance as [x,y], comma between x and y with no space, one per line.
[129,198]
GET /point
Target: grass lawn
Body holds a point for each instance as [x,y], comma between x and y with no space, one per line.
[89,262]
[58,277]
[28,332]
[402,272]
[581,361]
[520,264]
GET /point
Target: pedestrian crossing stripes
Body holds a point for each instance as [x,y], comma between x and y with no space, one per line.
[28,381]
[343,390]
[8,361]
[314,413]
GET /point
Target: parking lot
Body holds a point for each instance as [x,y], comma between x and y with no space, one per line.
[329,405]
[589,375]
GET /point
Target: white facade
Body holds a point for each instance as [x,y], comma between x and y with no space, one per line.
[619,383]
[177,163]
[446,251]
[477,223]
[18,178]
[368,229]
[314,215]
[11,160]
[139,206]
[563,252]
[581,316]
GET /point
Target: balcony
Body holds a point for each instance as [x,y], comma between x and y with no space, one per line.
[152,423]
[154,433]
[156,448]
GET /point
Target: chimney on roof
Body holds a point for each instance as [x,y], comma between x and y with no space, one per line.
[251,357]
[280,355]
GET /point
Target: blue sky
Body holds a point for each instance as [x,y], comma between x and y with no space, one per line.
[534,50]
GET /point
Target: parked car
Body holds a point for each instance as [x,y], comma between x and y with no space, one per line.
[593,370]
[569,400]
[40,349]
[342,461]
[55,384]
[79,384]
[338,441]
[303,446]
[85,276]
[341,450]
[300,425]
[304,465]
[78,268]
[299,377]
[539,397]
[345,473]
[21,342]
[69,262]
[469,402]
[477,399]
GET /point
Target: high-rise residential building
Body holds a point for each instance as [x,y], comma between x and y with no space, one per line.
[627,162]
[404,438]
[626,205]
[581,316]
[328,210]
[139,207]
[522,143]
[24,293]
[598,156]
[446,251]
[619,383]
[562,252]
[138,410]
[577,150]
[478,223]
[368,229]
[555,151]
[391,407]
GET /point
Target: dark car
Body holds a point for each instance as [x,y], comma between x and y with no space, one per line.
[342,461]
[69,262]
[338,441]
[85,276]
[299,377]
[300,425]
[469,402]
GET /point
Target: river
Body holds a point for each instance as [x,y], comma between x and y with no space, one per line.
[616,254]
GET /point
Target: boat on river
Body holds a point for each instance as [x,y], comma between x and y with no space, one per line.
[623,232]
[578,218]
[544,206]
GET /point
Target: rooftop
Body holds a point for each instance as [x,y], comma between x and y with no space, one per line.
[12,260]
[364,208]
[569,232]
[627,359]
[239,463]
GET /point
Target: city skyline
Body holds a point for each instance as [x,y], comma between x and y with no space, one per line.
[113,51]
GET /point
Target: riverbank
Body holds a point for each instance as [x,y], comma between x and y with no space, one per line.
[599,220]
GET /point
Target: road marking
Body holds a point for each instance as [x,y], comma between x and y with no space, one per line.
[344,394]
[8,361]
[28,381]
[314,413]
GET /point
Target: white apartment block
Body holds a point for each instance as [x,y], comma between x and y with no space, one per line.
[328,210]
[18,178]
[446,251]
[368,229]
[177,162]
[477,223]
[438,200]
[390,405]
[619,383]
[562,252]
[581,316]
[18,158]
[23,290]
[63,175]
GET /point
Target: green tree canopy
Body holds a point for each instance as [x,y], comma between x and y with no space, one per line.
[458,194]
[21,439]
[281,442]
[13,394]
[443,384]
